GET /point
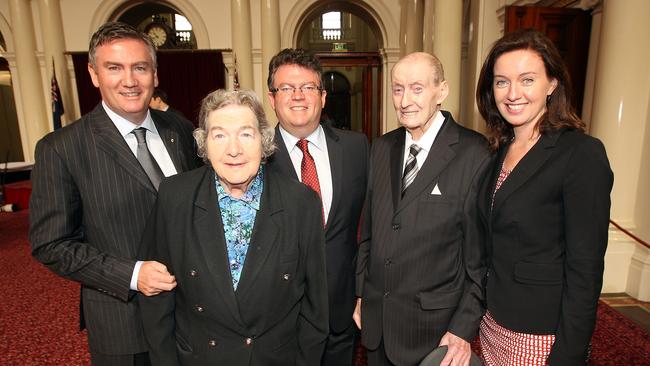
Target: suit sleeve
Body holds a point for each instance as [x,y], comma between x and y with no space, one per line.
[365,236]
[56,230]
[586,189]
[158,311]
[466,319]
[313,322]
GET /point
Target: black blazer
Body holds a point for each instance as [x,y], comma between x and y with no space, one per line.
[348,155]
[547,236]
[90,201]
[421,261]
[277,316]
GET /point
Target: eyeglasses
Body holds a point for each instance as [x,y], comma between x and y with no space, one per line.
[305,89]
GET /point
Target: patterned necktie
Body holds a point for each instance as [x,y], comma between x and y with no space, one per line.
[146,159]
[308,173]
[411,169]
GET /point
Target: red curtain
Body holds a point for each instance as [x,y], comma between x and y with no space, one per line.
[186,76]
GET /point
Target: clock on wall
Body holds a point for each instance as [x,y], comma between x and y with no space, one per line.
[160,33]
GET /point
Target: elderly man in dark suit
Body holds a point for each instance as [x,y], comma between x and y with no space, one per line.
[94,184]
[421,268]
[246,245]
[340,159]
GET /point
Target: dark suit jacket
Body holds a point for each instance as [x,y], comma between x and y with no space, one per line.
[277,316]
[547,240]
[90,201]
[348,155]
[421,268]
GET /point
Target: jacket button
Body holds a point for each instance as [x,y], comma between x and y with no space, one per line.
[194,273]
[387,293]
[248,341]
[212,343]
[395,226]
[286,276]
[388,262]
[199,308]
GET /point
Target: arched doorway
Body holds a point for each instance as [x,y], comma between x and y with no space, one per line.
[347,41]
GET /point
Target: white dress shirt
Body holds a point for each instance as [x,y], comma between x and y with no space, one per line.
[156,148]
[318,150]
[425,142]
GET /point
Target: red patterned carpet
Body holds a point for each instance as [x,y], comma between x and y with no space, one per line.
[39,314]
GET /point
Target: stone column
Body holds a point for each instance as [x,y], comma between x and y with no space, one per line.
[54,47]
[620,118]
[411,23]
[270,13]
[34,122]
[447,32]
[242,45]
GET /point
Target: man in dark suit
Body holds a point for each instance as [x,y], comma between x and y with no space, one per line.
[341,162]
[94,184]
[420,270]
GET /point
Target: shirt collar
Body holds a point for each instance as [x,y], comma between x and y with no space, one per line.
[317,138]
[253,194]
[125,126]
[426,141]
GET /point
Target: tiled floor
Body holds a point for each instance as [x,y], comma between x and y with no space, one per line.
[631,308]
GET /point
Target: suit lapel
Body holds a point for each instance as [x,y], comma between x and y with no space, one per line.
[440,154]
[280,159]
[171,141]
[112,143]
[209,229]
[263,239]
[396,162]
[335,152]
[526,168]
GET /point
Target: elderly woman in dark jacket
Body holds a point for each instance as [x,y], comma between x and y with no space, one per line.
[246,247]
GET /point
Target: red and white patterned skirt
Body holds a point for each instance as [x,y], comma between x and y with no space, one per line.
[501,346]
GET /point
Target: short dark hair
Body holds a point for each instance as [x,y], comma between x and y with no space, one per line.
[159,93]
[559,114]
[112,31]
[294,56]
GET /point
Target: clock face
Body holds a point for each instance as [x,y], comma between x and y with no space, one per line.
[158,35]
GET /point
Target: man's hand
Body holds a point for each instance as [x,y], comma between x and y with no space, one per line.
[357,313]
[154,278]
[458,351]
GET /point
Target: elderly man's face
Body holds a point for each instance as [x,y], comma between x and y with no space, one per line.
[234,147]
[416,96]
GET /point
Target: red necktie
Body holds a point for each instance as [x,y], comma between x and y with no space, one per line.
[308,172]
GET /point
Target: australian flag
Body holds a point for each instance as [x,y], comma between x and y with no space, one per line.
[57,103]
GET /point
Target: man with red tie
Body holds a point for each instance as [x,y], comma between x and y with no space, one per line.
[334,163]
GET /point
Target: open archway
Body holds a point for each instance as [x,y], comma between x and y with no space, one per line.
[348,41]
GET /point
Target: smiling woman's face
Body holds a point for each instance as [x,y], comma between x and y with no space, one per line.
[521,86]
[234,147]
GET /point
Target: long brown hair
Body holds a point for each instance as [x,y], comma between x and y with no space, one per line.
[559,111]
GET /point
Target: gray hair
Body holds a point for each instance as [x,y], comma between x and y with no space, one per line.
[222,98]
[113,31]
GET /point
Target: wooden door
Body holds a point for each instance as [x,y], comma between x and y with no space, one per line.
[569,30]
[369,65]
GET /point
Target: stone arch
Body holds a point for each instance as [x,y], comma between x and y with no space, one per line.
[374,13]
[109,10]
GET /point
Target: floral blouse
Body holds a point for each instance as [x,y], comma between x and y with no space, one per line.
[238,217]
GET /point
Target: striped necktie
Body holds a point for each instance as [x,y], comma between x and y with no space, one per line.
[411,169]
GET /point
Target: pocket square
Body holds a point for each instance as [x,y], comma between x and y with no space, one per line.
[436,191]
